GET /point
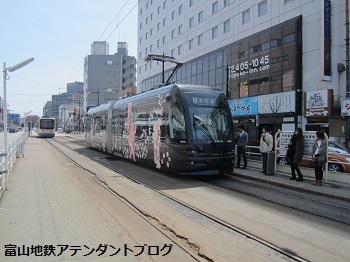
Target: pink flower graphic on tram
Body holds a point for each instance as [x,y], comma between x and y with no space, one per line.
[156,142]
[132,132]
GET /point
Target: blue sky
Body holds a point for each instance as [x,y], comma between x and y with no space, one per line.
[58,34]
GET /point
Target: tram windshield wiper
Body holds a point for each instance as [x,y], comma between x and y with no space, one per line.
[199,125]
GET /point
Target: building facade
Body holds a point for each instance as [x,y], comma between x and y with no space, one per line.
[280,62]
[105,75]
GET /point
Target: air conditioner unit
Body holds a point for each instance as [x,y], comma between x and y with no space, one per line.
[341,67]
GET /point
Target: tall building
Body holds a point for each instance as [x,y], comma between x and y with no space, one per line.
[280,62]
[74,95]
[105,75]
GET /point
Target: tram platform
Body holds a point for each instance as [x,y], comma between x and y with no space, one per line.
[329,188]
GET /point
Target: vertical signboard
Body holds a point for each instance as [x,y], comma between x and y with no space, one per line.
[327,40]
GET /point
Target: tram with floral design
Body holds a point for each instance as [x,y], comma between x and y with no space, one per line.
[183,129]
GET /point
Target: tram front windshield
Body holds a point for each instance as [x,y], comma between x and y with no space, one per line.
[210,120]
[47,124]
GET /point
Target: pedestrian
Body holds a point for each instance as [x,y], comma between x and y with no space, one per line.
[319,156]
[295,153]
[242,141]
[266,145]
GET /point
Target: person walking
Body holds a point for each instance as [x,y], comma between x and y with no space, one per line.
[295,153]
[242,141]
[319,156]
[266,145]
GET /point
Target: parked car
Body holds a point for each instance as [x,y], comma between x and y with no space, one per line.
[59,130]
[13,129]
[338,158]
[253,147]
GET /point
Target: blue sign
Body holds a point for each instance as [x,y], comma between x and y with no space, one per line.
[14,117]
[244,106]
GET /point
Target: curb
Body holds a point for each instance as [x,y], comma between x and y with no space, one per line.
[288,186]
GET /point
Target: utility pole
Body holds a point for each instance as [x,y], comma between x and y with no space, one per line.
[347,92]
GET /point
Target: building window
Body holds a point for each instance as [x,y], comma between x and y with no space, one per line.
[173,52]
[146,35]
[158,43]
[151,32]
[191,22]
[140,40]
[164,39]
[158,26]
[200,16]
[173,15]
[140,55]
[200,39]
[164,22]
[191,3]
[151,16]
[181,9]
[140,26]
[109,62]
[146,20]
[173,34]
[262,8]
[180,31]
[179,50]
[227,26]
[288,1]
[246,16]
[191,44]
[151,48]
[146,50]
[227,2]
[215,7]
[214,32]
[141,11]
[164,5]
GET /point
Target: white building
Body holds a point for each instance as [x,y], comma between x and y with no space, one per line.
[281,61]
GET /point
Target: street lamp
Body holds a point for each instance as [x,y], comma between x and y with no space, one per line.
[6,77]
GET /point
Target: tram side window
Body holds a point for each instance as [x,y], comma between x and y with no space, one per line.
[97,124]
[103,122]
[177,122]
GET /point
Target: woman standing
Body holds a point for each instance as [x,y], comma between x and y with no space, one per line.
[295,153]
[319,156]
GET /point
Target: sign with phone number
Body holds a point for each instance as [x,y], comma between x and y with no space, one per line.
[251,66]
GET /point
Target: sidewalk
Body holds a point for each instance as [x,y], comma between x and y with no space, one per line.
[329,189]
[54,211]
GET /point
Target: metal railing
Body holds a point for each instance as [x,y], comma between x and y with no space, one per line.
[14,150]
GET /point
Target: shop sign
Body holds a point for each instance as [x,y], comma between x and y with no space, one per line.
[345,107]
[244,106]
[318,103]
[277,103]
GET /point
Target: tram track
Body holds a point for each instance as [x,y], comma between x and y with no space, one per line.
[185,244]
